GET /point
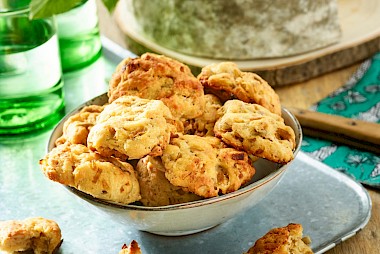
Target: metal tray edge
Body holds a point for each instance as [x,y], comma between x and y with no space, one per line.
[358,188]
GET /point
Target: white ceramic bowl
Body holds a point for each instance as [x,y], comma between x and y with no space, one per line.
[196,216]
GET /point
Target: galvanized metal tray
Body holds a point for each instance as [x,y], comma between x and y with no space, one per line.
[331,206]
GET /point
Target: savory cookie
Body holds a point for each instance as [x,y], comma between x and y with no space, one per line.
[37,235]
[155,189]
[77,126]
[159,77]
[227,82]
[254,129]
[132,248]
[106,178]
[131,128]
[204,124]
[285,240]
[205,166]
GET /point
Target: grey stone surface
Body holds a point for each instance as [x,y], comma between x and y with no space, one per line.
[238,29]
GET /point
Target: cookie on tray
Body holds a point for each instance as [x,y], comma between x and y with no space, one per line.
[159,77]
[254,129]
[36,235]
[131,128]
[132,248]
[155,189]
[285,240]
[204,124]
[77,126]
[106,178]
[205,166]
[227,81]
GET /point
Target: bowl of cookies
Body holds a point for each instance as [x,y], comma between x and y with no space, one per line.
[171,153]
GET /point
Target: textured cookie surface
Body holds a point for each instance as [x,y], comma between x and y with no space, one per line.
[130,128]
[204,124]
[156,190]
[227,82]
[39,235]
[254,129]
[285,240]
[204,166]
[105,178]
[77,126]
[159,77]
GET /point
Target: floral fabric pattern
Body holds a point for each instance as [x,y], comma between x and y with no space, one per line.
[359,98]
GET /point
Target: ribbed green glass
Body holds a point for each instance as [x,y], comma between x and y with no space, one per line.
[31,95]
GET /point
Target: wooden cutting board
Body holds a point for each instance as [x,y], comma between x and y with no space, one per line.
[360,23]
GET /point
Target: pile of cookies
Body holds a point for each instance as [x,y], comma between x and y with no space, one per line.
[168,137]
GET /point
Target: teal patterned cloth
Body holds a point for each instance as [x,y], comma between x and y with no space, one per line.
[359,98]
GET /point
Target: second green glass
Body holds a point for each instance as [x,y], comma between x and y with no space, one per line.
[78,34]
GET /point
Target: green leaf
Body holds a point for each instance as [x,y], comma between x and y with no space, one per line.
[110,4]
[47,8]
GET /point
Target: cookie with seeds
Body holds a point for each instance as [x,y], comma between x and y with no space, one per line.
[106,178]
[131,128]
[254,129]
[77,126]
[158,77]
[205,166]
[36,235]
[155,189]
[227,81]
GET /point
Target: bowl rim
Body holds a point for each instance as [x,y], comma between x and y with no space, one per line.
[198,203]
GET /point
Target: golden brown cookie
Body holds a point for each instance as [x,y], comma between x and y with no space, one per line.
[285,240]
[254,129]
[155,189]
[226,81]
[205,166]
[131,128]
[159,77]
[132,248]
[204,124]
[39,235]
[77,126]
[106,178]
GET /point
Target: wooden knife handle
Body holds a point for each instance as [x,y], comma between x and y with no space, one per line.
[339,127]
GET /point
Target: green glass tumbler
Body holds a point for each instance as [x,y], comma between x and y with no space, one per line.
[78,34]
[31,94]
